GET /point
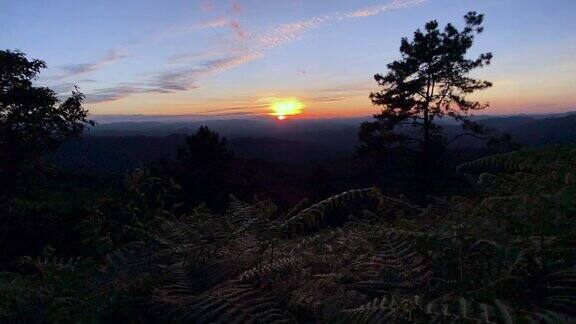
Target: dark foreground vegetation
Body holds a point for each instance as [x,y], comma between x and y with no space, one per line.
[503,254]
[209,237]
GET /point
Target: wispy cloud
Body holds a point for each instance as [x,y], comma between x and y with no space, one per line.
[84,68]
[324,99]
[262,105]
[188,58]
[185,78]
[217,23]
[296,30]
[183,29]
[375,10]
[214,23]
[62,87]
[113,93]
[290,32]
[341,92]
[230,62]
[347,88]
[195,56]
[182,79]
[221,110]
[254,46]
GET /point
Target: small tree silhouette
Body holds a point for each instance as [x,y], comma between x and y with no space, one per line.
[431,81]
[205,162]
[205,150]
[32,119]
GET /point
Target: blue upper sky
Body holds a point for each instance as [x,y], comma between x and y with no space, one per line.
[231,57]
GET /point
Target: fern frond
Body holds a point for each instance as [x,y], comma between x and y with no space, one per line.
[314,216]
[304,203]
[132,261]
[401,309]
[239,212]
[231,304]
[391,309]
[395,264]
[271,272]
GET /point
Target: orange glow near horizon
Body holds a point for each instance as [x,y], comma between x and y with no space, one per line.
[503,99]
[284,107]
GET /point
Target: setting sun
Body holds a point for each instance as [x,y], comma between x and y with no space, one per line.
[284,107]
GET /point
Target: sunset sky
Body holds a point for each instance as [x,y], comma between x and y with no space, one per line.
[235,57]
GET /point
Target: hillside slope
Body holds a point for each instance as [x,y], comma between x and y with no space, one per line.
[121,154]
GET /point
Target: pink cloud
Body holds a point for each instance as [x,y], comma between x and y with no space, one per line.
[185,78]
[290,32]
[237,29]
[214,23]
[84,68]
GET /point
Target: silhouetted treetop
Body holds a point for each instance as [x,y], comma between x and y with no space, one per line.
[430,81]
[32,119]
[205,168]
[16,70]
[204,149]
[432,76]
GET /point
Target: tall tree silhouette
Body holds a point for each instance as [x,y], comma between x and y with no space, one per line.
[430,81]
[205,162]
[32,119]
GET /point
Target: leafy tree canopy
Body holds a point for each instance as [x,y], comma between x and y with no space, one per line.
[32,119]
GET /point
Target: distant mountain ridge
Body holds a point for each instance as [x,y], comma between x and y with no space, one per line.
[124,146]
[122,154]
[194,118]
[295,128]
[547,131]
